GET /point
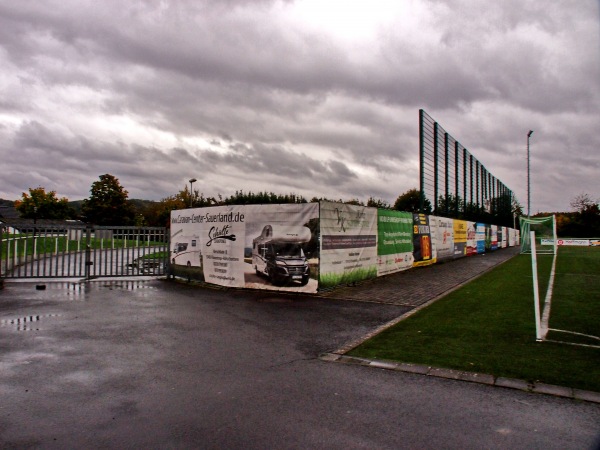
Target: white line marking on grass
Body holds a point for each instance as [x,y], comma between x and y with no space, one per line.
[574,332]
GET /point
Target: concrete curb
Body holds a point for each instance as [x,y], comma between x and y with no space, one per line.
[472,377]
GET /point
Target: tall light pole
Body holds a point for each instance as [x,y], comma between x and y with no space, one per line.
[192,181]
[528,177]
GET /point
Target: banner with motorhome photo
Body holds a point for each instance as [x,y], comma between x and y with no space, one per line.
[185,246]
[257,246]
[216,233]
[282,247]
[348,243]
[394,241]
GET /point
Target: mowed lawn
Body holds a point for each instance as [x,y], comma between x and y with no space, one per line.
[488,325]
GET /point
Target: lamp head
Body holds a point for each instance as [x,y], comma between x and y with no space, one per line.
[193,180]
[530,133]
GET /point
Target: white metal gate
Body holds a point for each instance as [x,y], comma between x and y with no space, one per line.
[60,251]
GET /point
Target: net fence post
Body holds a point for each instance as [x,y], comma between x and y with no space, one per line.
[555,236]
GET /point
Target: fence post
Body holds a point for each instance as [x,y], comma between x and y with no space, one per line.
[88,251]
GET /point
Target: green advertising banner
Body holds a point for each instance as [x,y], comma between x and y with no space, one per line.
[394,241]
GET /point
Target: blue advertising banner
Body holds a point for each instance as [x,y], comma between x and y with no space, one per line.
[480,235]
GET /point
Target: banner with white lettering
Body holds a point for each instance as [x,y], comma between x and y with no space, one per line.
[394,243]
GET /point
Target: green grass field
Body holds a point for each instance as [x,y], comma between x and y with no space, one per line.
[19,245]
[488,325]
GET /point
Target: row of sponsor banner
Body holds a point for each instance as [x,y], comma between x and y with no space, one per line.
[573,242]
[312,246]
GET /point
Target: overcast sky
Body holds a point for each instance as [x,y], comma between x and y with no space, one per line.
[315,97]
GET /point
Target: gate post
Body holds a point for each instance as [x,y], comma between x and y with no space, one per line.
[1,253]
[88,252]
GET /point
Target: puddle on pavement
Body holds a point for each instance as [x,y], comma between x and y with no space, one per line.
[77,291]
[26,323]
[275,300]
[125,285]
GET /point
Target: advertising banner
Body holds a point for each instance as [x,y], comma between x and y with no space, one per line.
[443,236]
[471,238]
[493,237]
[394,241]
[258,246]
[480,236]
[282,247]
[460,238]
[424,248]
[572,242]
[501,237]
[205,245]
[511,237]
[348,243]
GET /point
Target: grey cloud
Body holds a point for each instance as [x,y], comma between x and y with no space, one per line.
[264,95]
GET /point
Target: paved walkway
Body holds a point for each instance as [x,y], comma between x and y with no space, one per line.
[417,286]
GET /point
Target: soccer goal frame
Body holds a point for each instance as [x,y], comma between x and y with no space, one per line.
[542,229]
[545,232]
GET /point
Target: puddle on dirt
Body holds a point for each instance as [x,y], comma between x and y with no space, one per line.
[26,323]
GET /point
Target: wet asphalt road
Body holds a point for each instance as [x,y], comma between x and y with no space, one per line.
[157,364]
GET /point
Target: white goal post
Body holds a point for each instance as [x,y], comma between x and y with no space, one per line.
[545,232]
[538,237]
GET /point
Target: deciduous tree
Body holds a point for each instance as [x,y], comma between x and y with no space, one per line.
[410,201]
[108,204]
[39,204]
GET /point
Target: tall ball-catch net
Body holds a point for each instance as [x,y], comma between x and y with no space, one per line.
[546,240]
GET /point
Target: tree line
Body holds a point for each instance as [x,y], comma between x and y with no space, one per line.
[109,204]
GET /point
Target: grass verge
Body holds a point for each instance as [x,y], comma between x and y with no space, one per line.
[488,326]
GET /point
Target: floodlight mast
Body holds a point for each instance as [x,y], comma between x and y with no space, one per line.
[192,181]
[528,177]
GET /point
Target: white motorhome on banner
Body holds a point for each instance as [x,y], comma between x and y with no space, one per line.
[186,251]
[278,254]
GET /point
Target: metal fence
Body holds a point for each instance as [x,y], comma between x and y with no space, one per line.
[453,183]
[82,252]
